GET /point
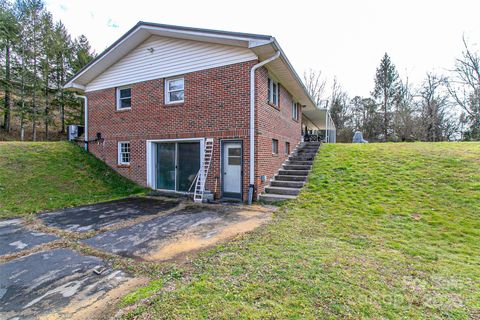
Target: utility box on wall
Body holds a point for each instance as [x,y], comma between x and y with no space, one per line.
[74,131]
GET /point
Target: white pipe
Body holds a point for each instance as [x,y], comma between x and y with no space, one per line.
[252,122]
[85,99]
[326,126]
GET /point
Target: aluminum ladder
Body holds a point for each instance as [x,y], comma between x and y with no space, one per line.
[203,172]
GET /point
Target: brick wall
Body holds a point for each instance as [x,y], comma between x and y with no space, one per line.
[272,122]
[216,106]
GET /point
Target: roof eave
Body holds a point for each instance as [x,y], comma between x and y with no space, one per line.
[292,70]
[72,86]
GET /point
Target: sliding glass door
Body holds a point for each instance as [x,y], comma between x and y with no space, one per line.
[177,165]
[166,166]
[188,156]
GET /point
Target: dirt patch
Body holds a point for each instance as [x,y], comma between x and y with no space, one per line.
[201,237]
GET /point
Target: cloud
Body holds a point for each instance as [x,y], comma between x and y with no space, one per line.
[112,24]
[63,7]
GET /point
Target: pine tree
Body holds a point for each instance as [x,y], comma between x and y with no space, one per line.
[83,53]
[63,52]
[8,38]
[386,90]
[46,65]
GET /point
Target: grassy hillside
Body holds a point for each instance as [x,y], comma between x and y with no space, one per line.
[36,176]
[380,231]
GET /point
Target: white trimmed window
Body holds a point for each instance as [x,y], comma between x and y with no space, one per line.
[174,90]
[295,107]
[272,92]
[124,98]
[124,152]
[274,146]
[287,147]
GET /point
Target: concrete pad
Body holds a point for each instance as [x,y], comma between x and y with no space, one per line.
[47,281]
[151,240]
[100,215]
[14,237]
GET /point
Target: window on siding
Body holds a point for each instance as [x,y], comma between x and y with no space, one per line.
[174,90]
[124,98]
[124,152]
[295,107]
[274,146]
[272,92]
[287,147]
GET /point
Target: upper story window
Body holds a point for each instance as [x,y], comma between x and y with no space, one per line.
[174,90]
[272,92]
[124,152]
[124,98]
[295,110]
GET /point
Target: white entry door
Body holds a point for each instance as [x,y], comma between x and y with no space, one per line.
[232,169]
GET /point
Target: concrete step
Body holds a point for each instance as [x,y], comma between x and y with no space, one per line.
[296,167]
[293,172]
[299,162]
[283,190]
[301,158]
[290,178]
[270,197]
[287,184]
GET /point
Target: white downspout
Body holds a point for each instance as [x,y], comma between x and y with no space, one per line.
[252,123]
[326,126]
[85,99]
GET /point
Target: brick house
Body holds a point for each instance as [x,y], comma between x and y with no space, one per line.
[173,107]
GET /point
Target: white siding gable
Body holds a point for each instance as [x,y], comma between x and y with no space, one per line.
[169,57]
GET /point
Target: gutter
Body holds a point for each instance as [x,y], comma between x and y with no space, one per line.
[85,99]
[252,123]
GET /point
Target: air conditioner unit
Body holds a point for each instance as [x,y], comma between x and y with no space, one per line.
[74,131]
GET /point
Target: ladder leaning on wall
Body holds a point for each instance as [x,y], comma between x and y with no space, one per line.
[201,178]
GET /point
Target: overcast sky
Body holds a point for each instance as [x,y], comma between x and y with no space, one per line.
[341,38]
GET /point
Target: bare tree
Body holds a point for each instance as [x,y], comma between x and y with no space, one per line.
[433,103]
[404,120]
[341,112]
[465,88]
[315,84]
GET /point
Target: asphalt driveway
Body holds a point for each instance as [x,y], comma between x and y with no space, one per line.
[38,278]
[47,281]
[14,237]
[100,215]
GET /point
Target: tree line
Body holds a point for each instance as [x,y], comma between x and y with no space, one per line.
[441,108]
[37,56]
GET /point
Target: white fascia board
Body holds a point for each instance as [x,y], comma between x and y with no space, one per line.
[258,43]
[198,36]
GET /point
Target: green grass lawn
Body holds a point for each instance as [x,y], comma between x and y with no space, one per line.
[380,231]
[36,176]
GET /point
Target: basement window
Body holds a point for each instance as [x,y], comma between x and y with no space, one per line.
[124,152]
[174,90]
[272,92]
[274,146]
[124,98]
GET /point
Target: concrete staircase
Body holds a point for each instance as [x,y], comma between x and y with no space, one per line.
[293,175]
